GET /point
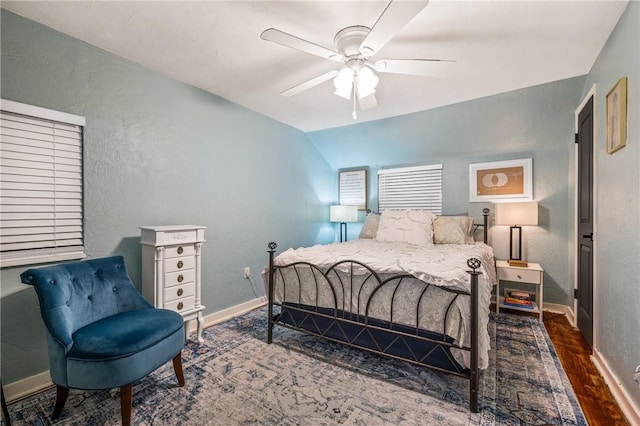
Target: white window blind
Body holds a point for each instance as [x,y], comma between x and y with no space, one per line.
[418,188]
[41,199]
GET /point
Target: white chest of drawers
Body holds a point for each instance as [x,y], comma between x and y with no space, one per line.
[171,270]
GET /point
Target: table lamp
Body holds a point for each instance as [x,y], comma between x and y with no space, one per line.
[516,215]
[343,214]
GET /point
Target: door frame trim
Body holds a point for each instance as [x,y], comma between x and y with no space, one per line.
[574,245]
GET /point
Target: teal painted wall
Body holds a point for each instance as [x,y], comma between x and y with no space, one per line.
[160,152]
[535,122]
[617,218]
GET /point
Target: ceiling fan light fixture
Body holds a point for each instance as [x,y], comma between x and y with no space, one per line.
[367,81]
[344,83]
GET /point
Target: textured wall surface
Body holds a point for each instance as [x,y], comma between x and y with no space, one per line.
[617,188]
[535,122]
[159,152]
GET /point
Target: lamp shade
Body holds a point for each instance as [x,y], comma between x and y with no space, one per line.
[517,213]
[343,213]
[344,83]
[367,82]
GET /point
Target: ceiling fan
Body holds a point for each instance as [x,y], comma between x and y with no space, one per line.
[354,47]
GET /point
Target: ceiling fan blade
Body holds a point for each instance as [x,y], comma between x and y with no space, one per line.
[419,67]
[309,84]
[285,39]
[395,16]
[368,102]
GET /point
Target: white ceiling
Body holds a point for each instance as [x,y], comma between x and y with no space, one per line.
[216,46]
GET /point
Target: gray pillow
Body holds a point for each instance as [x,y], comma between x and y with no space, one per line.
[370,227]
[453,230]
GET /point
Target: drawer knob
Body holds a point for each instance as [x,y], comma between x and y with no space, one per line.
[180,264]
[180,278]
[180,291]
[519,276]
[180,306]
[180,250]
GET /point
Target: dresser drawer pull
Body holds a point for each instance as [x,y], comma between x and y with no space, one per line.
[180,264]
[180,306]
[180,292]
[180,278]
[519,276]
[180,250]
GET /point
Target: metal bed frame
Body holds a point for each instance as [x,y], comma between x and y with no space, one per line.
[355,328]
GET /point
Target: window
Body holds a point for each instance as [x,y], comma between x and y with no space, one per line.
[418,188]
[41,216]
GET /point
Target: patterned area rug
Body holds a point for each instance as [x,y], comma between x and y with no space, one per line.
[235,378]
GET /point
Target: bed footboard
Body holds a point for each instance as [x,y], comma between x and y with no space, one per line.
[347,318]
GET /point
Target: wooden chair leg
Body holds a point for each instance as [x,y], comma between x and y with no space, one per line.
[177,366]
[61,398]
[125,404]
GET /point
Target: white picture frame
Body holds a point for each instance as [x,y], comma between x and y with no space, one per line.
[501,181]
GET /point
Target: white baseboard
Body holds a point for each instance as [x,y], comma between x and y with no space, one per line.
[227,314]
[620,394]
[26,387]
[33,384]
[561,309]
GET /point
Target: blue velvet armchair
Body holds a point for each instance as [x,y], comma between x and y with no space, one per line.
[101,333]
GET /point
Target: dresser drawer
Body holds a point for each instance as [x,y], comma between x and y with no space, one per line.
[519,275]
[181,305]
[180,277]
[179,291]
[177,251]
[179,264]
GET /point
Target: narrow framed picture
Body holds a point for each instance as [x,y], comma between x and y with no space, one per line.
[496,181]
[617,116]
[352,188]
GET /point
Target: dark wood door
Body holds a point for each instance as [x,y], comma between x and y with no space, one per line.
[585,221]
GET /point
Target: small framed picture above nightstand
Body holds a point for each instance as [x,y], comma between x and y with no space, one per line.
[520,300]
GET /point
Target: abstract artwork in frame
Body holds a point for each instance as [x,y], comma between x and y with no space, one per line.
[617,116]
[497,181]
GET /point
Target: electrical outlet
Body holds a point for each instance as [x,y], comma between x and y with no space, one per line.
[247,272]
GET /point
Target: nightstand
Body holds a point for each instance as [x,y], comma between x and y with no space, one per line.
[531,274]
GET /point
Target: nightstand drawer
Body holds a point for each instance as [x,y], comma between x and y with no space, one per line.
[519,275]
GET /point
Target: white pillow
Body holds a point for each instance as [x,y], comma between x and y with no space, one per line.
[406,226]
[453,230]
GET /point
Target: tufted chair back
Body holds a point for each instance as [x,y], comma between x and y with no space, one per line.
[79,293]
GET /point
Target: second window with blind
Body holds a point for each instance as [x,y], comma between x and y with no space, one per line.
[416,188]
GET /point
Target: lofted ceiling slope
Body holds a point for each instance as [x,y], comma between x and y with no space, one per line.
[216,46]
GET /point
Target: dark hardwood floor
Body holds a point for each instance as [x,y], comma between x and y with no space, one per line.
[597,402]
[594,396]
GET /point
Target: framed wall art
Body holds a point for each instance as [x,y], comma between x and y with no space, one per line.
[352,188]
[617,116]
[496,181]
